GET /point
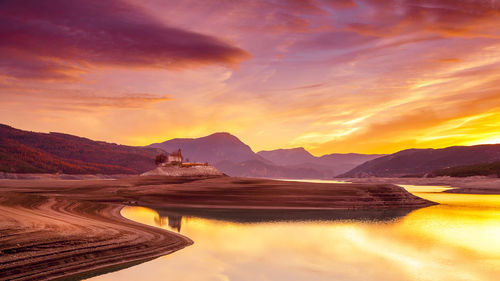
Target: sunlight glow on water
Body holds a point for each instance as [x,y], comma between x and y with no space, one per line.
[435,194]
[458,240]
[314,181]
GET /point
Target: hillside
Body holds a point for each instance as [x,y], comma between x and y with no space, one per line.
[31,152]
[419,162]
[483,169]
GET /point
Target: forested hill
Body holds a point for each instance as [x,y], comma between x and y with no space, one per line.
[31,152]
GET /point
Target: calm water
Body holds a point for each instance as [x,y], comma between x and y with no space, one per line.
[457,240]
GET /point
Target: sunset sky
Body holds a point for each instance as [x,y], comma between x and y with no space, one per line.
[368,76]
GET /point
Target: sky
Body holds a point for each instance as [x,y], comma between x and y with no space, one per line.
[366,76]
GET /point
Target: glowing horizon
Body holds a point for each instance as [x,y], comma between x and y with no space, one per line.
[342,76]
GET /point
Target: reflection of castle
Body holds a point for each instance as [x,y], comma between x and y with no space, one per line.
[173,221]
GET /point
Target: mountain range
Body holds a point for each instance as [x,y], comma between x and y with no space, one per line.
[233,157]
[335,163]
[32,152]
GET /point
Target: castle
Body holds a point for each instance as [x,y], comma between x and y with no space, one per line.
[175,157]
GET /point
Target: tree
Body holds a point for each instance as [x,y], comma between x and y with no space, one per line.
[159,159]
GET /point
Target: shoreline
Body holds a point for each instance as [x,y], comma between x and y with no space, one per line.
[467,185]
[50,229]
[49,238]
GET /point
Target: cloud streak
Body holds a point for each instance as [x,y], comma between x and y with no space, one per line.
[59,39]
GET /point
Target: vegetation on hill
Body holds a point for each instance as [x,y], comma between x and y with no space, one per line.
[30,152]
[484,169]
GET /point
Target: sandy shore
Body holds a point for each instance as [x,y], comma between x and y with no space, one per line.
[54,228]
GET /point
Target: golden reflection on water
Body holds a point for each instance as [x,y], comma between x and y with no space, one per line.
[433,193]
[315,181]
[458,240]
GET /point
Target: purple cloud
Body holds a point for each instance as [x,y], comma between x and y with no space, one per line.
[57,39]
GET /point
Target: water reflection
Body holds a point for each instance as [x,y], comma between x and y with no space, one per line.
[458,240]
[172,221]
[172,216]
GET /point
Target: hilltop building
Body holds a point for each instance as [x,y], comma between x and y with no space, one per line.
[175,157]
[172,165]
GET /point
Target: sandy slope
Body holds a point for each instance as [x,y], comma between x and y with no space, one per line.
[54,228]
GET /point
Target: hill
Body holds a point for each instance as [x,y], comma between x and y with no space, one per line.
[419,162]
[31,152]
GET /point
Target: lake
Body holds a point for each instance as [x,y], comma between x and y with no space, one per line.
[456,240]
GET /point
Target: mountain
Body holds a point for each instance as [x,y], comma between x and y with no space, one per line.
[419,162]
[212,149]
[31,152]
[333,164]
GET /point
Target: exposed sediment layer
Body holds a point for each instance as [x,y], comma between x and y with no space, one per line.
[244,193]
[47,238]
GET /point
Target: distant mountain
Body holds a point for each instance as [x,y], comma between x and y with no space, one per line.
[212,149]
[333,164]
[256,168]
[284,157]
[419,162]
[31,152]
